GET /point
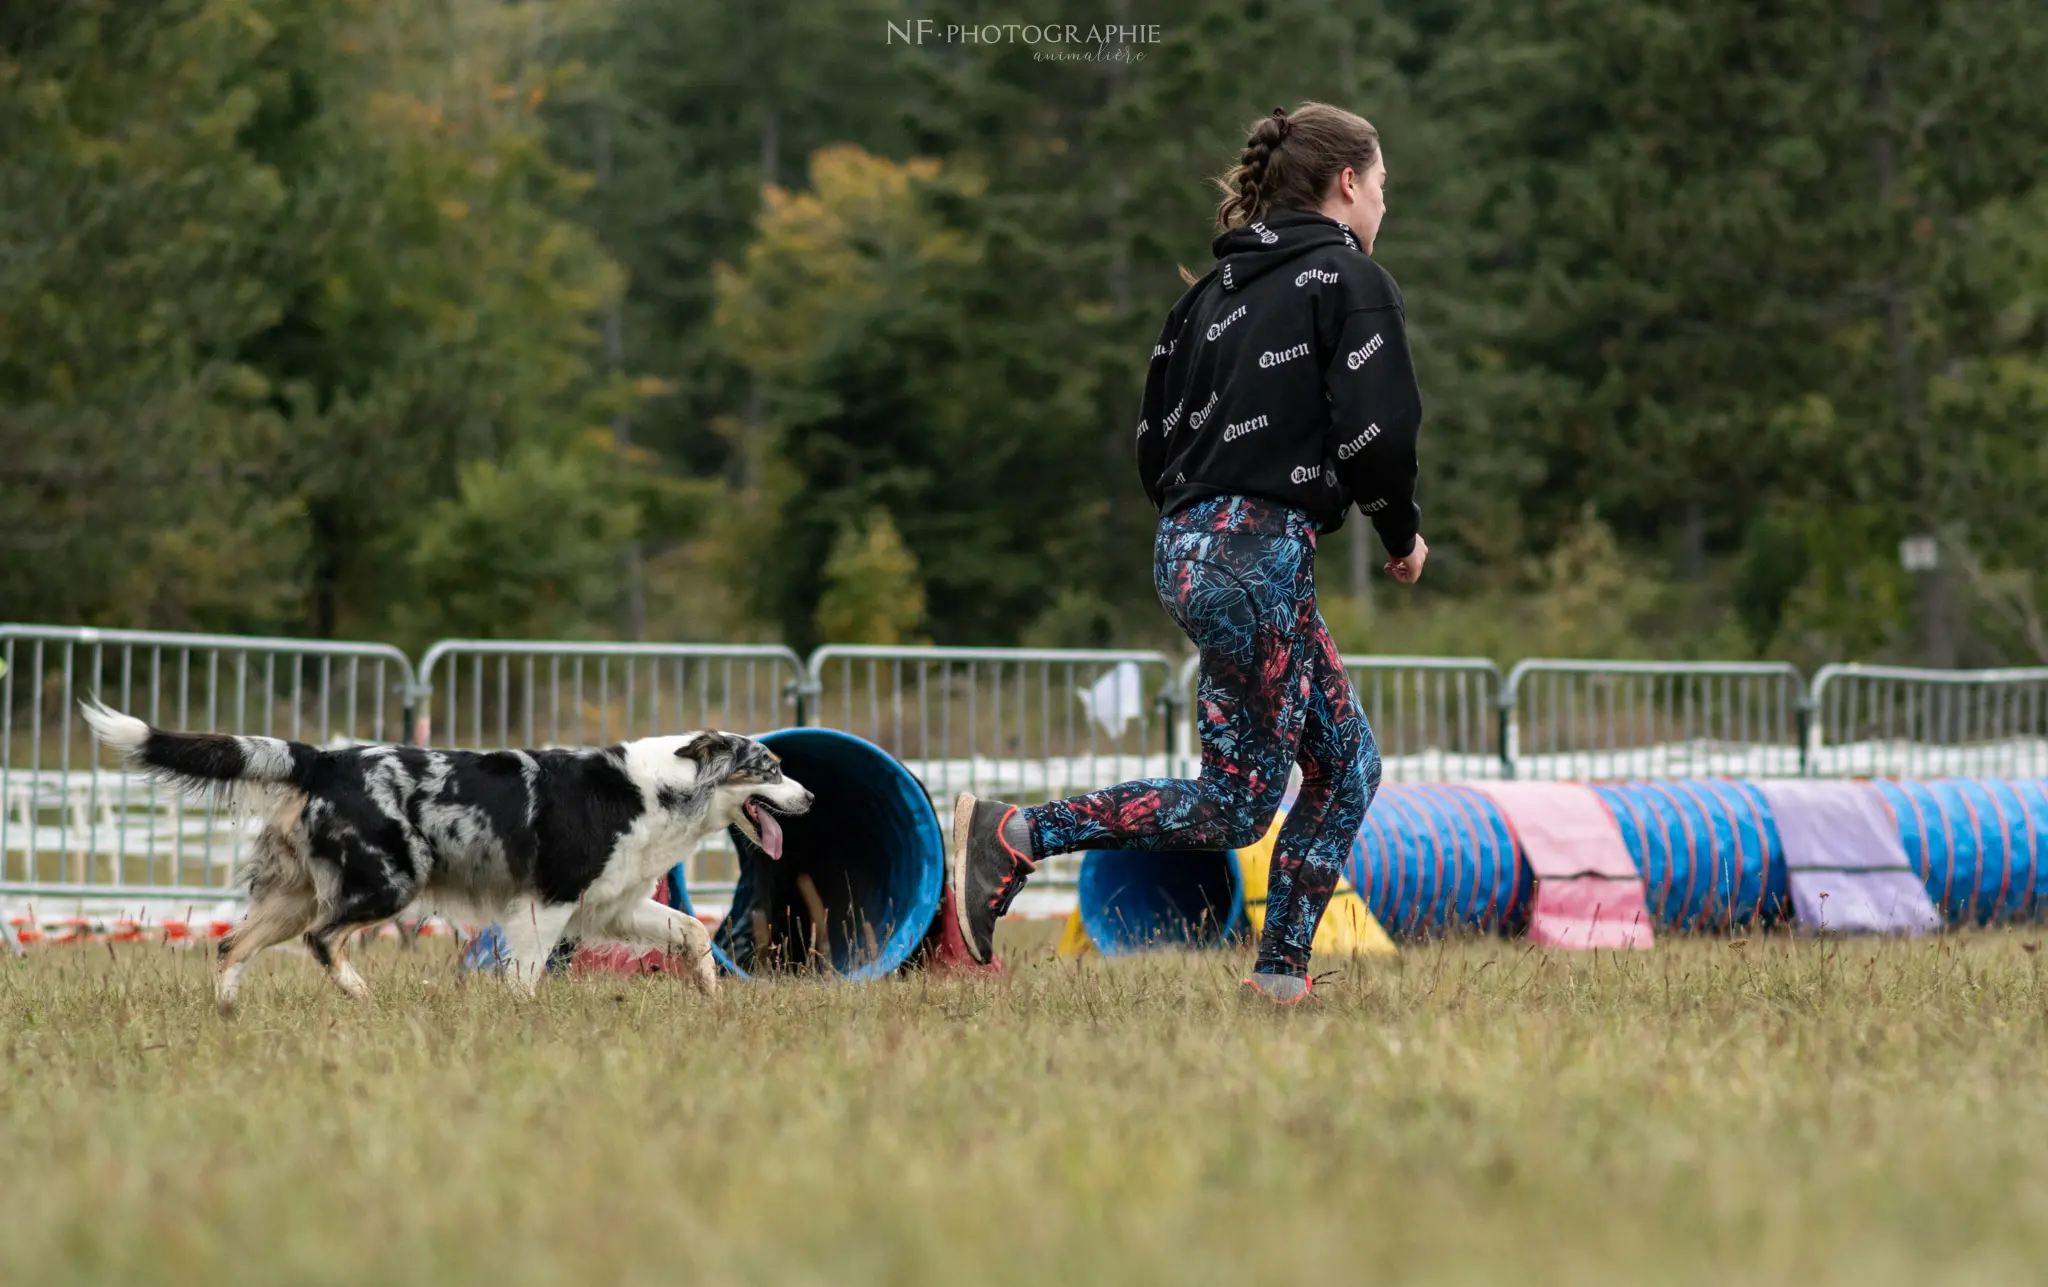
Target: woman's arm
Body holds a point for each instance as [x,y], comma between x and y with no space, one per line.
[1375,418]
[1151,417]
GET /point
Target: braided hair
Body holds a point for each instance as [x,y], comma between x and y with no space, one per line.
[1289,160]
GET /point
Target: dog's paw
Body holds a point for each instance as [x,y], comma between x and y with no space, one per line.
[523,980]
[704,973]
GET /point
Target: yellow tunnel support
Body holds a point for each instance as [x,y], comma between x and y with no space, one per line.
[1348,927]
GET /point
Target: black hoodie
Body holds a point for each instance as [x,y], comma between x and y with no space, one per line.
[1284,375]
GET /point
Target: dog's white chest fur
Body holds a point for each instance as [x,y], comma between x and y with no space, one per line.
[656,842]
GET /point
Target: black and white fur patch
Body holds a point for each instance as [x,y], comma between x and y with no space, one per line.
[545,843]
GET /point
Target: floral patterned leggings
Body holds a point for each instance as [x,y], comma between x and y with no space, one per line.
[1238,576]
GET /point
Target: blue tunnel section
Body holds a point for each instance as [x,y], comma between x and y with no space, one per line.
[1980,846]
[1707,850]
[1132,900]
[1433,858]
[871,845]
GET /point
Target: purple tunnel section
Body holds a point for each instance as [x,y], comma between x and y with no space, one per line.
[1845,862]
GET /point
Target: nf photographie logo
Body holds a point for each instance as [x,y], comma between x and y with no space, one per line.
[1049,41]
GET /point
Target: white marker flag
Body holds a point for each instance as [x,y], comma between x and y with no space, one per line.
[1116,699]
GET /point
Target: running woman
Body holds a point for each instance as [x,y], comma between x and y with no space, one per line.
[1280,394]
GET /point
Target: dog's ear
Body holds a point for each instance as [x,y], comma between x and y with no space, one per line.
[704,748]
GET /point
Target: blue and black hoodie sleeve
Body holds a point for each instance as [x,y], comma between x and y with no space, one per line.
[1376,410]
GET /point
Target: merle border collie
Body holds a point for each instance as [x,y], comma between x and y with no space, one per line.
[548,843]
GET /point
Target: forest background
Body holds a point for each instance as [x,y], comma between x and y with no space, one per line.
[796,321]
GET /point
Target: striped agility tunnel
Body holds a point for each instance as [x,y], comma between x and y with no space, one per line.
[1610,864]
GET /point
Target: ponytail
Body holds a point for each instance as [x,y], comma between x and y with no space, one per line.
[1288,162]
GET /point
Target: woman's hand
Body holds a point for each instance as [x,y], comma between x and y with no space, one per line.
[1409,570]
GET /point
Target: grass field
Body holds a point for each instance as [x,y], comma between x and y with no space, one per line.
[1474,1112]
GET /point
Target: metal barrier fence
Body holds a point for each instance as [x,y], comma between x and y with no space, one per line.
[73,823]
[1025,724]
[1021,724]
[490,694]
[1892,721]
[1622,719]
[1434,718]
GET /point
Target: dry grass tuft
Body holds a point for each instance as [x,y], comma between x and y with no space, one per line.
[1471,1112]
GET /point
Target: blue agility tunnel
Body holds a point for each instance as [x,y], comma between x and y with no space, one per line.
[1427,859]
[1132,900]
[1707,849]
[1711,857]
[870,846]
[1434,857]
[1980,846]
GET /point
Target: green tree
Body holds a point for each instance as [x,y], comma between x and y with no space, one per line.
[135,434]
[858,308]
[872,592]
[278,274]
[526,549]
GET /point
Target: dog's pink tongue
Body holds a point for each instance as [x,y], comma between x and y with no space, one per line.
[771,832]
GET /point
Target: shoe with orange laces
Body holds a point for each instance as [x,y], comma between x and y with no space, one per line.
[1279,989]
[985,868]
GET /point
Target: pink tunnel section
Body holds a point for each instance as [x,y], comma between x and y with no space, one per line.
[1846,863]
[1588,892]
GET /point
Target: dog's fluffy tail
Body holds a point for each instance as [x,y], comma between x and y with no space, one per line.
[198,760]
